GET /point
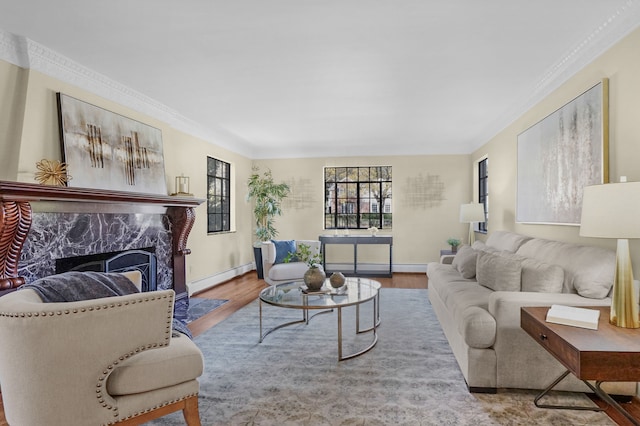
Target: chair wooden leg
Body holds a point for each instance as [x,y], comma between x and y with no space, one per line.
[188,406]
[190,412]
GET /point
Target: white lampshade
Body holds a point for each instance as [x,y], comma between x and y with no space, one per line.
[611,211]
[470,213]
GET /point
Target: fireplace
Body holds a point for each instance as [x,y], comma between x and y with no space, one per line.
[39,224]
[129,260]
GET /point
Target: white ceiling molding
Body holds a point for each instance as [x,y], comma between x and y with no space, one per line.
[26,53]
[613,29]
[272,125]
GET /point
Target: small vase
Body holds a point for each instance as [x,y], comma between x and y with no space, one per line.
[454,249]
[314,278]
[337,280]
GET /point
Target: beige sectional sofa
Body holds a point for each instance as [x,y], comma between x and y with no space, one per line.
[477,299]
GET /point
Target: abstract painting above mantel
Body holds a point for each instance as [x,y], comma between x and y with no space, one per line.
[105,150]
[560,155]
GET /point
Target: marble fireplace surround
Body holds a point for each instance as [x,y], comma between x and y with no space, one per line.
[39,224]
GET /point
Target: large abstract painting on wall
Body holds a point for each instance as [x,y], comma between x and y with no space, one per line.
[105,150]
[559,156]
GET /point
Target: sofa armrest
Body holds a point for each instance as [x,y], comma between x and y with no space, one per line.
[505,306]
[447,259]
[74,346]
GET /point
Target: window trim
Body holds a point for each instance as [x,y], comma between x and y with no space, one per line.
[226,226]
[482,187]
[335,219]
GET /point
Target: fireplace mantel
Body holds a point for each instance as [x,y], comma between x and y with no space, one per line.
[19,191]
[16,217]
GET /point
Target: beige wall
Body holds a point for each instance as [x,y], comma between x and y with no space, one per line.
[34,135]
[621,65]
[427,193]
[422,220]
[13,86]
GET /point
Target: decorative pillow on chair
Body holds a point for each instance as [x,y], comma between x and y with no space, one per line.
[283,248]
[465,261]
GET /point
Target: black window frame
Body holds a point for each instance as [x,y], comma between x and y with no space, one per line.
[483,192]
[218,196]
[350,191]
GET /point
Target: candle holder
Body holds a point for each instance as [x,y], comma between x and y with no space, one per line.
[182,186]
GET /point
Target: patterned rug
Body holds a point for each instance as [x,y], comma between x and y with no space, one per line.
[409,378]
[199,306]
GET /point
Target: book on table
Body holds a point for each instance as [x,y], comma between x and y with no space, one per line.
[576,317]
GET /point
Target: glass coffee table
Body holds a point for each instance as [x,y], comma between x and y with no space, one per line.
[355,292]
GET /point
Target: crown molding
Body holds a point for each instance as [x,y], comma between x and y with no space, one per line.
[28,54]
[613,29]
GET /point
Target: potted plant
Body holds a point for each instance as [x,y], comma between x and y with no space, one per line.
[315,276]
[454,243]
[267,197]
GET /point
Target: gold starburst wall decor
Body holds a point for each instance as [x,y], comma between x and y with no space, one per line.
[52,172]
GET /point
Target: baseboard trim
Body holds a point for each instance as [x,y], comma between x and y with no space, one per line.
[213,280]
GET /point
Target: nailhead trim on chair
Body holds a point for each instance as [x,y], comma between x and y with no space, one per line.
[110,367]
[137,350]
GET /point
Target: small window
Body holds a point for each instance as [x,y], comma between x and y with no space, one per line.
[218,196]
[357,197]
[483,192]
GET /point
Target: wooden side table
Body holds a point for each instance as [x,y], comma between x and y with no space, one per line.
[608,354]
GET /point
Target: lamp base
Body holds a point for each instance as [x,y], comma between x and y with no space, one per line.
[624,302]
[472,234]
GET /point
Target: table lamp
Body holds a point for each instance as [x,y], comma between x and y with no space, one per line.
[471,213]
[611,211]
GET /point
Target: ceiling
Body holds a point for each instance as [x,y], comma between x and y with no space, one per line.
[313,78]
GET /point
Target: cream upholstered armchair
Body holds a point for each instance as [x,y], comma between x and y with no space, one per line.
[95,362]
[275,270]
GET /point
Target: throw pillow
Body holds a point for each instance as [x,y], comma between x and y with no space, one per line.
[465,261]
[498,272]
[283,248]
[541,277]
[480,246]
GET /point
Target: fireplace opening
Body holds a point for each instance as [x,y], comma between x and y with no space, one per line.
[143,260]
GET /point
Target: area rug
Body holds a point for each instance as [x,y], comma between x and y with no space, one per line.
[409,378]
[199,306]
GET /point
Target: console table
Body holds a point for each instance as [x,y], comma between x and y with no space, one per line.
[356,240]
[608,354]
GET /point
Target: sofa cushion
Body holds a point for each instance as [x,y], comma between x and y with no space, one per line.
[541,277]
[588,270]
[283,248]
[444,273]
[152,369]
[465,261]
[481,246]
[506,241]
[498,272]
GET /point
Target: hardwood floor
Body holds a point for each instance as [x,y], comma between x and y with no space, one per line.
[243,290]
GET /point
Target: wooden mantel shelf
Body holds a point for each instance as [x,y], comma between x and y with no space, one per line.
[20,191]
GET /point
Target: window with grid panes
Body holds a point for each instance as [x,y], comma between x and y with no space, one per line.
[218,195]
[483,191]
[358,197]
